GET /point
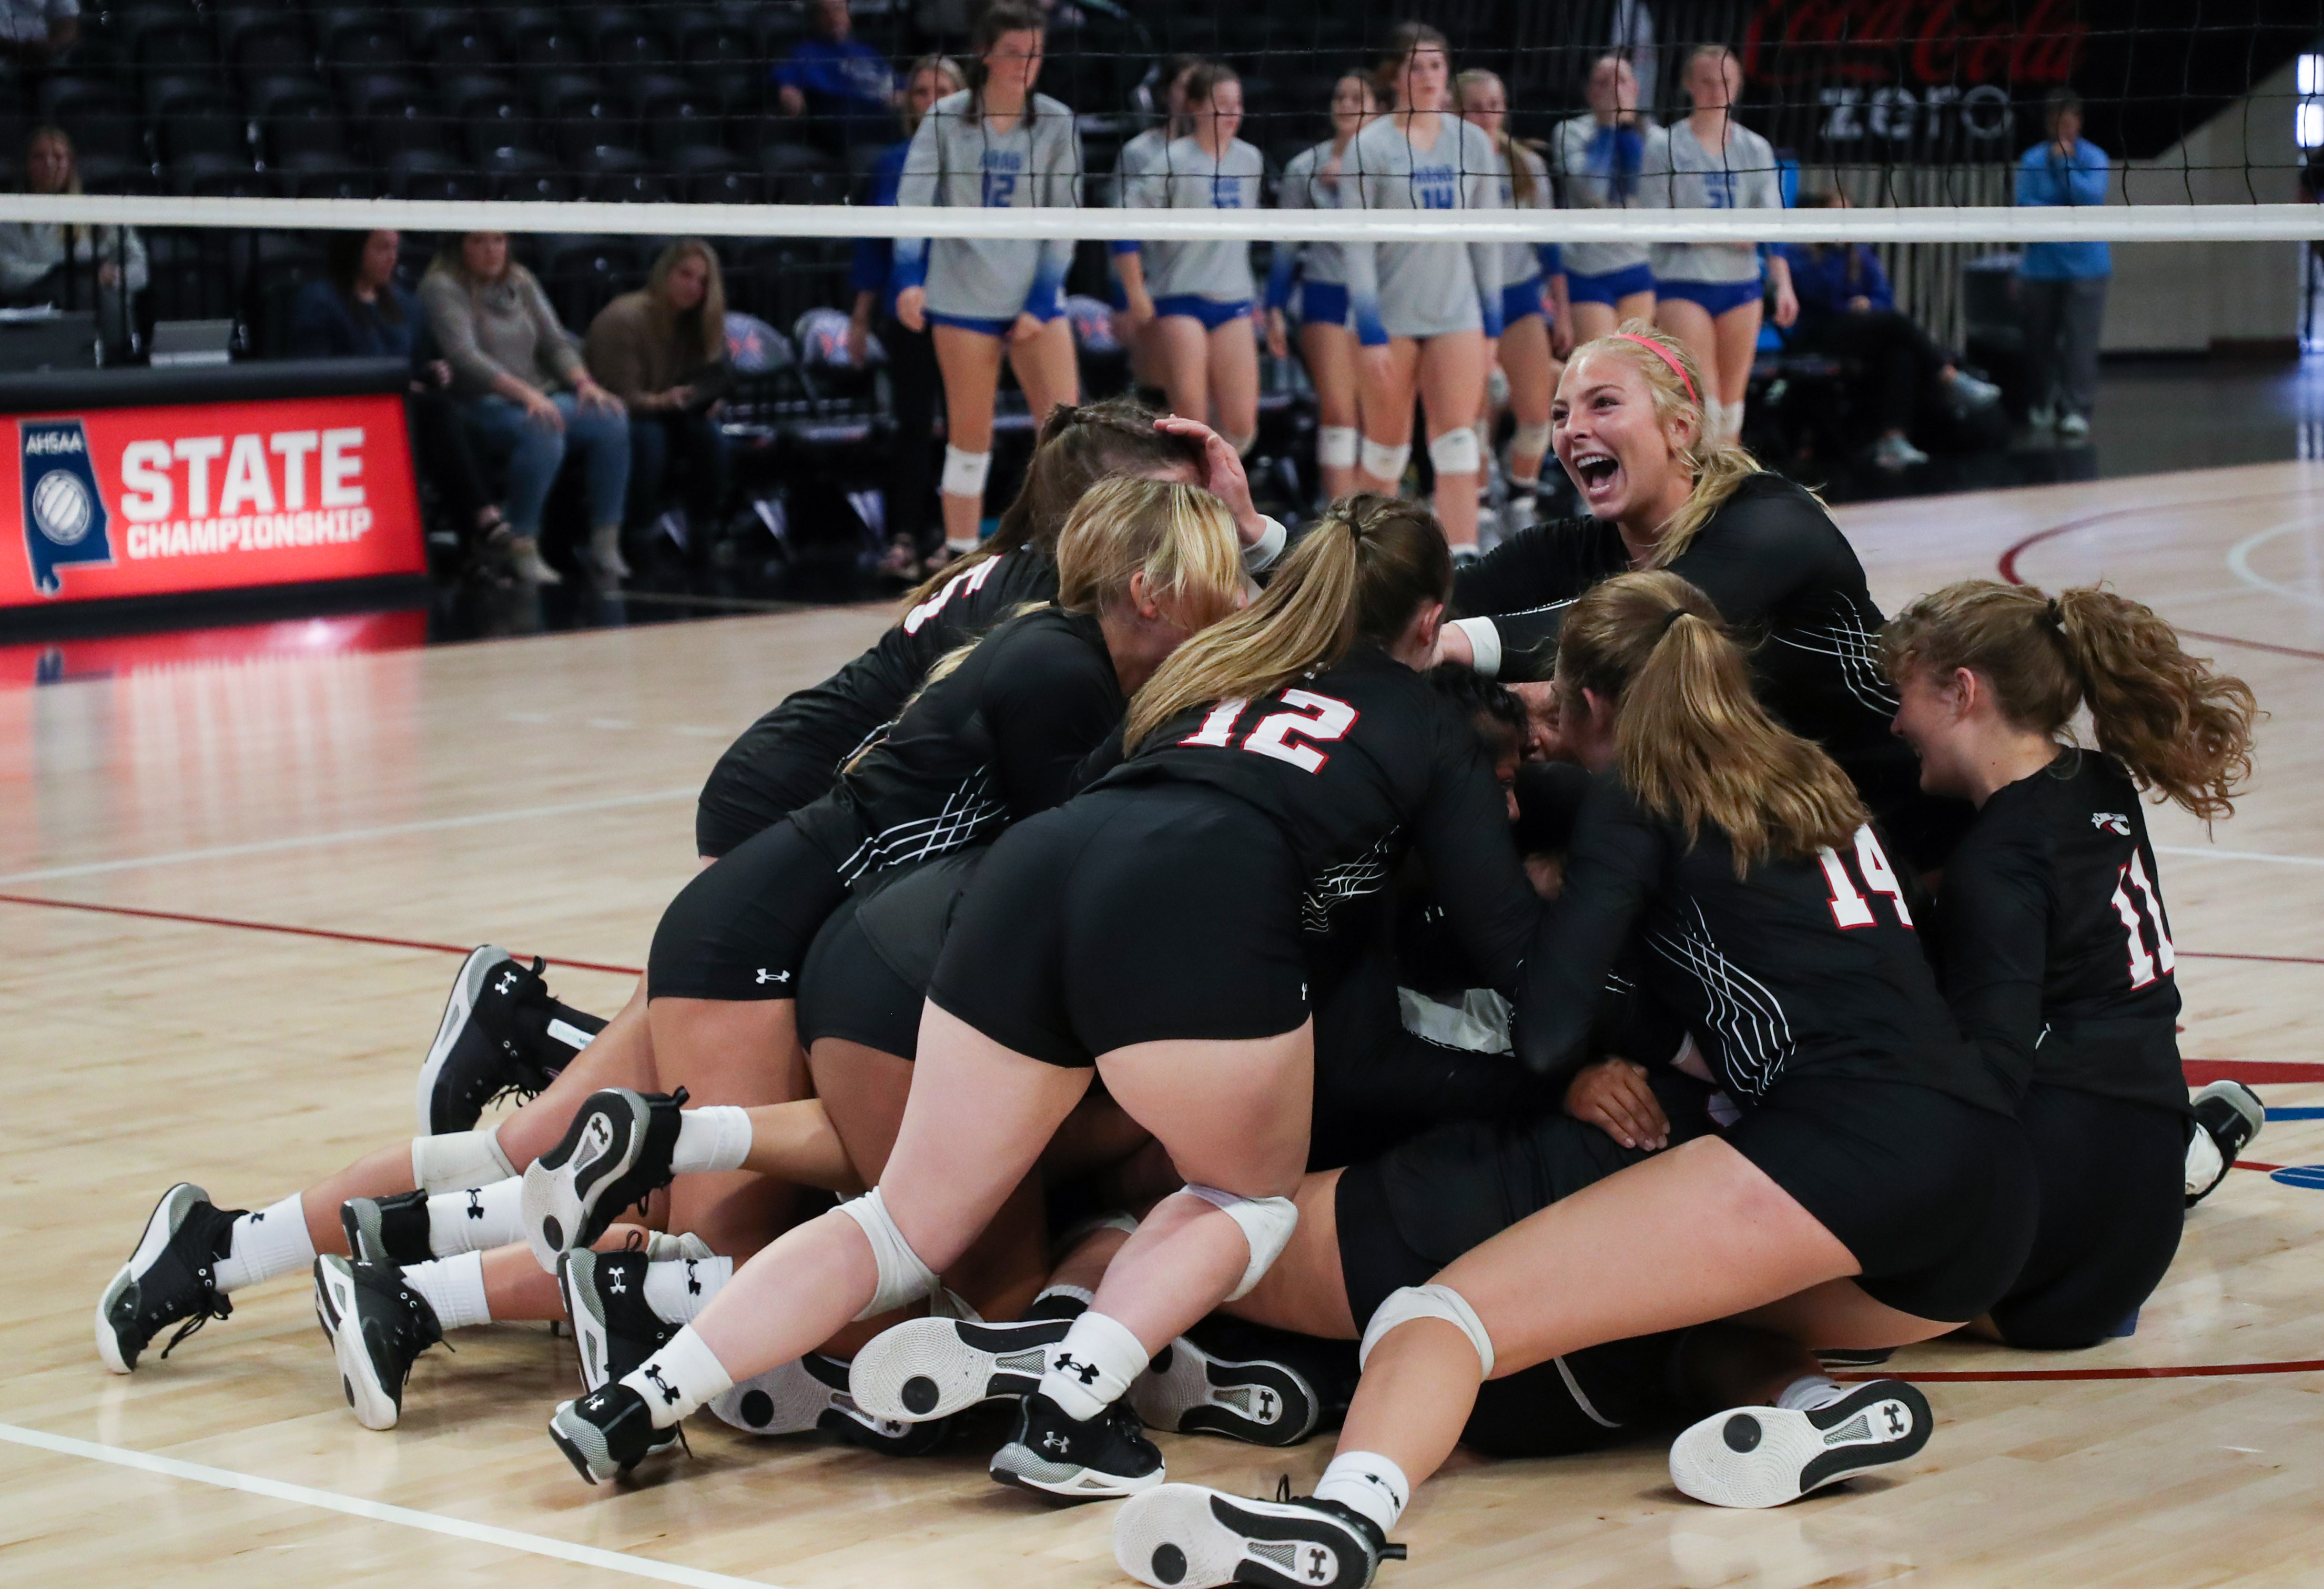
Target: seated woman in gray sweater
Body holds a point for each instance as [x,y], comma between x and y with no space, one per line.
[527,396]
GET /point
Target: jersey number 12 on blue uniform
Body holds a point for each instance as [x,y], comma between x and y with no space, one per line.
[1849,908]
[1320,718]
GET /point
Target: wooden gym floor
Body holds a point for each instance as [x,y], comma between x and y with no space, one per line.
[231,895]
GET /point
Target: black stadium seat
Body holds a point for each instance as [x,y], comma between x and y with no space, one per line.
[263,44]
[332,182]
[634,188]
[545,39]
[209,176]
[680,119]
[191,125]
[797,175]
[306,133]
[718,176]
[419,173]
[629,39]
[461,45]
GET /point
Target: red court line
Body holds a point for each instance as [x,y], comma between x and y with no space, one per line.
[2009,561]
[2193,1371]
[345,938]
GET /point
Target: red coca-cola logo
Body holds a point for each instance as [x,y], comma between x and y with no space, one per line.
[1927,42]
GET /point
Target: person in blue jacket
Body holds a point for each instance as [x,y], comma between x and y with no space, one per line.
[845,85]
[912,377]
[1848,311]
[2061,287]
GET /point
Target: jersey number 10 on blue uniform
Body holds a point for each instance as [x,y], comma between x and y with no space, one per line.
[1319,719]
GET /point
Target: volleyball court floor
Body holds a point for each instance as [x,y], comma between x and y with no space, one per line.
[231,898]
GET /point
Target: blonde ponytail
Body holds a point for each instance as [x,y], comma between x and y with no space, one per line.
[1180,538]
[1361,574]
[1691,740]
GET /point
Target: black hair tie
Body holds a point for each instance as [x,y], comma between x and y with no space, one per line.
[1671,617]
[2053,616]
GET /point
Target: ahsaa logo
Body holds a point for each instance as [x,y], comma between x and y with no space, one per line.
[64,513]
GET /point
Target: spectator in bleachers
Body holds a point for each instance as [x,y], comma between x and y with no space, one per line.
[37,32]
[1849,311]
[845,85]
[360,310]
[2061,287]
[42,261]
[662,351]
[527,396]
[913,382]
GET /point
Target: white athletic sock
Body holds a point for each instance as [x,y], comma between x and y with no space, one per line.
[679,1377]
[1093,1366]
[1810,1392]
[1368,1483]
[269,1243]
[476,1220]
[676,1288]
[717,1137]
[1734,423]
[455,1289]
[458,1159]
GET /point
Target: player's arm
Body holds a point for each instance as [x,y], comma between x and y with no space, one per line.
[1050,702]
[1618,853]
[1992,950]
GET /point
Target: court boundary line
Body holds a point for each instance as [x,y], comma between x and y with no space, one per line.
[348,835]
[2008,567]
[185,918]
[2192,1371]
[379,1511]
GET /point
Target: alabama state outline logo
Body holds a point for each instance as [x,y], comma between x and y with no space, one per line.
[64,513]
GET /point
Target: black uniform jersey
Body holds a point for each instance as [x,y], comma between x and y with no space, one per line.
[1783,577]
[994,742]
[2052,945]
[1803,967]
[1355,765]
[828,723]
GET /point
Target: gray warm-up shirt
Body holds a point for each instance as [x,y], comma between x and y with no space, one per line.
[1680,173]
[1422,289]
[1188,177]
[1521,262]
[1304,187]
[959,158]
[1598,166]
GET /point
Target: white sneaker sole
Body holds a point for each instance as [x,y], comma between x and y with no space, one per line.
[927,1368]
[465,987]
[1262,1403]
[334,1302]
[554,1207]
[161,1226]
[1020,1464]
[784,1401]
[1762,1456]
[1189,1537]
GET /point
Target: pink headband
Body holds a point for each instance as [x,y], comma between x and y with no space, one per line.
[1663,353]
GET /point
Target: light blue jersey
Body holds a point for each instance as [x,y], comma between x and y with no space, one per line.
[1598,166]
[1422,289]
[1188,177]
[960,160]
[1680,173]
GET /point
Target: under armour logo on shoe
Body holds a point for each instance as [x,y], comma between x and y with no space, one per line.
[693,1285]
[1054,1441]
[1267,1404]
[1086,1372]
[766,976]
[668,1392]
[1316,1560]
[507,983]
[258,1218]
[475,1203]
[1895,1417]
[618,1283]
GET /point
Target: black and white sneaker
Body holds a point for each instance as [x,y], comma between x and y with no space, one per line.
[1186,1390]
[1188,1536]
[2231,1115]
[615,1154]
[1104,1459]
[926,1368]
[387,1230]
[606,1433]
[170,1277]
[612,1328]
[378,1326]
[1758,1456]
[812,1394]
[502,1035]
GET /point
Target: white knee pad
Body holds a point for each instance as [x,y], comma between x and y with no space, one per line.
[964,472]
[1427,1302]
[1266,1224]
[1384,463]
[1456,452]
[903,1277]
[1335,446]
[1241,444]
[1532,440]
[459,1160]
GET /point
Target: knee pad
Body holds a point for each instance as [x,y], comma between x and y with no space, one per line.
[1456,452]
[903,1277]
[1335,446]
[1384,463]
[1241,444]
[457,1160]
[1427,1302]
[1532,440]
[964,472]
[1266,1224]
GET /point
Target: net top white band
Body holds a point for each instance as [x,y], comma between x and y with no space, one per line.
[2115,223]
